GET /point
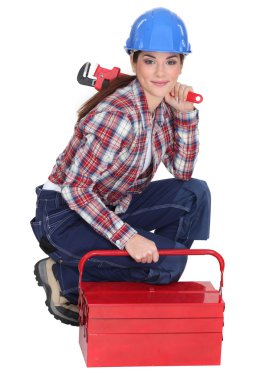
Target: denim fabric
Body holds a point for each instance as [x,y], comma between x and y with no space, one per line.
[178,212]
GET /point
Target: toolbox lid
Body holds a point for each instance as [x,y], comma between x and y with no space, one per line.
[139,300]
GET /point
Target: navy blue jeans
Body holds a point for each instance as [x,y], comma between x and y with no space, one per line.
[177,212]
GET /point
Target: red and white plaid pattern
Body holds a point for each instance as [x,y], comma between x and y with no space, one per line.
[102,164]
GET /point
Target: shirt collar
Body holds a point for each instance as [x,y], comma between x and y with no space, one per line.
[140,99]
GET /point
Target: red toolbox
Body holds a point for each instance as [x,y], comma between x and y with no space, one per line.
[137,324]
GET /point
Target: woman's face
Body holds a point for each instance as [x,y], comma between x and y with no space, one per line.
[157,74]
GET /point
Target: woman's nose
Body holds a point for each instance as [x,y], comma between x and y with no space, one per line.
[160,70]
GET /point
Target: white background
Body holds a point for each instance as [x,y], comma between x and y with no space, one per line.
[43,45]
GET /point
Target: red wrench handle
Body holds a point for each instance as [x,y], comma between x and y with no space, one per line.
[194,98]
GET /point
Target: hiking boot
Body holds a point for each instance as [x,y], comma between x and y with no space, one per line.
[57,305]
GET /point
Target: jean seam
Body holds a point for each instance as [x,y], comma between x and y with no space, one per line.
[61,249]
[156,208]
[110,263]
[59,213]
[49,233]
[180,224]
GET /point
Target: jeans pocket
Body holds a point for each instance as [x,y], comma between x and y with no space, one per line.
[37,228]
[55,219]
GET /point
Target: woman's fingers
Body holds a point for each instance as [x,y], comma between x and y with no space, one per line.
[142,250]
[180,91]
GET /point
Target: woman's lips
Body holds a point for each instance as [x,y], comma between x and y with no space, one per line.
[159,84]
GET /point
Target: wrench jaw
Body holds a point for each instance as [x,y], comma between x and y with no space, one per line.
[101,77]
[82,76]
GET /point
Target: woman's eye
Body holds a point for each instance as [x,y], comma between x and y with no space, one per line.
[149,61]
[171,62]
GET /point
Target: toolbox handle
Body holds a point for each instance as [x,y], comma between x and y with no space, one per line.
[163,252]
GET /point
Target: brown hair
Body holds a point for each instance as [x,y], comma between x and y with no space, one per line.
[113,85]
[99,96]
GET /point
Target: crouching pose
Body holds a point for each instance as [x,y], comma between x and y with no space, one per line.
[100,193]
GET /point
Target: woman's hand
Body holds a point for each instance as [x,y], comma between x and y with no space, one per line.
[142,250]
[177,98]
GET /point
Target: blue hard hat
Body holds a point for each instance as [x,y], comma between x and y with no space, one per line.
[159,30]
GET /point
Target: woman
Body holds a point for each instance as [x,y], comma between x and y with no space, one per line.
[100,195]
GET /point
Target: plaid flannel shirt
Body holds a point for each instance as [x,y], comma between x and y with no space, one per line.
[101,166]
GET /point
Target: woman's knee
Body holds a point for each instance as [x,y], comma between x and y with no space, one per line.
[180,267]
[198,184]
[200,189]
[172,268]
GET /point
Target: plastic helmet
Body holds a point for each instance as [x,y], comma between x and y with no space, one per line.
[159,30]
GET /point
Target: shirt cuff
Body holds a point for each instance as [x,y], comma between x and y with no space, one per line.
[121,237]
[186,119]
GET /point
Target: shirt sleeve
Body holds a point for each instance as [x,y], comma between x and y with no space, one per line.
[182,151]
[105,135]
